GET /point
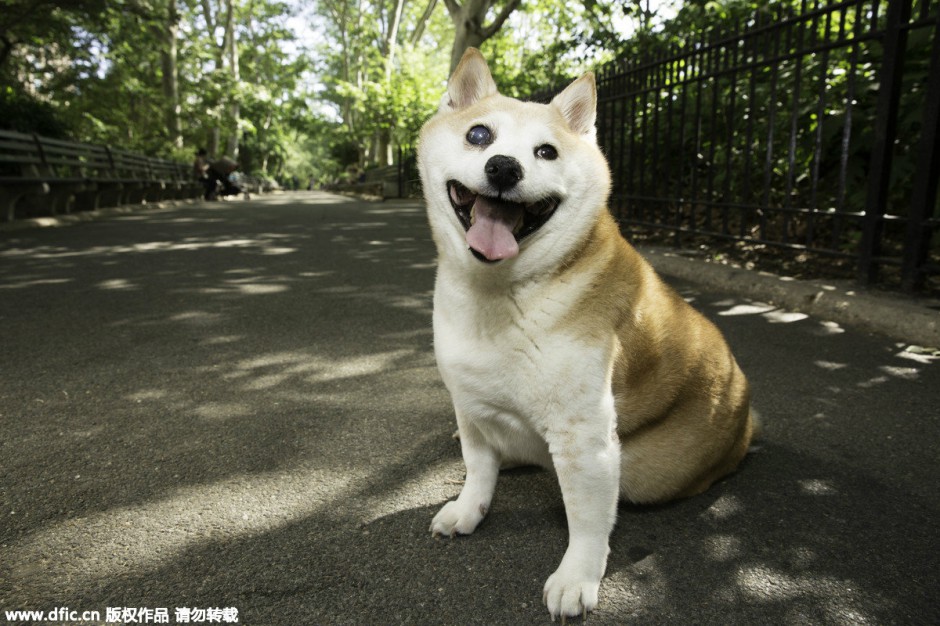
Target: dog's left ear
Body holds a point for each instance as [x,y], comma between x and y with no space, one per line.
[470,82]
[578,105]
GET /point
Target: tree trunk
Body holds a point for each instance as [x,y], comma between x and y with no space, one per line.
[393,41]
[234,109]
[467,37]
[215,139]
[169,64]
[469,29]
[212,24]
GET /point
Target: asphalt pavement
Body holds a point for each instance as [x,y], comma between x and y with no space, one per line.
[228,410]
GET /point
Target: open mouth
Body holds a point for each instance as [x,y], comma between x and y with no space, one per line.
[495,226]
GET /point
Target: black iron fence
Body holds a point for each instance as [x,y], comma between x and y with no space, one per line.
[815,131]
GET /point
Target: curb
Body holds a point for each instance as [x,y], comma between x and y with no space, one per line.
[67,219]
[78,217]
[904,319]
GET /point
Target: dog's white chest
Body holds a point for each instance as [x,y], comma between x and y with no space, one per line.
[513,370]
[503,367]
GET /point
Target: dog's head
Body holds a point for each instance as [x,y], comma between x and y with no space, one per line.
[510,182]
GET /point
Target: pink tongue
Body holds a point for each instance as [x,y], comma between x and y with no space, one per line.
[491,232]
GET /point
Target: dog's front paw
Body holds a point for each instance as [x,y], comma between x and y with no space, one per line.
[455,518]
[569,593]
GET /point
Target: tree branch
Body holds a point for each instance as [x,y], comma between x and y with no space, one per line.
[492,29]
[5,49]
[452,7]
[422,22]
[207,13]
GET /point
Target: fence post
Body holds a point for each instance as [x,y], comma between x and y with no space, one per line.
[894,42]
[924,196]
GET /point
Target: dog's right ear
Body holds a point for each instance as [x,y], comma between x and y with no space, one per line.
[578,105]
[470,82]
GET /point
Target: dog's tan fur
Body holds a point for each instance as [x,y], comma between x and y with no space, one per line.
[682,402]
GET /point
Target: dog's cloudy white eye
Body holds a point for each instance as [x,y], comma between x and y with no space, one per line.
[480,136]
[547,152]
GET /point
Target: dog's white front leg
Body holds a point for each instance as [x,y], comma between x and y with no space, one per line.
[461,516]
[588,468]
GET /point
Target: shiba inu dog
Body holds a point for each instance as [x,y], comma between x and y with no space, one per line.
[559,344]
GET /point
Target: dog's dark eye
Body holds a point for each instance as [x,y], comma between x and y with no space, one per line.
[480,136]
[547,152]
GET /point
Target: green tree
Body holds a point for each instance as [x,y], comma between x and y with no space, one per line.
[381,72]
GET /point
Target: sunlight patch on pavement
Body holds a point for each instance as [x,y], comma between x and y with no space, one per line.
[265,244]
[148,395]
[428,489]
[271,370]
[724,507]
[829,328]
[872,382]
[770,312]
[724,547]
[220,411]
[784,317]
[904,373]
[829,365]
[116,284]
[626,591]
[257,289]
[23,284]
[196,317]
[277,250]
[838,598]
[747,309]
[87,551]
[817,487]
[221,340]
[919,354]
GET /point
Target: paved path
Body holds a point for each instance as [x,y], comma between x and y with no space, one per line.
[236,405]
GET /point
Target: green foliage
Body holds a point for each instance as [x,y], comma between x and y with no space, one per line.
[19,112]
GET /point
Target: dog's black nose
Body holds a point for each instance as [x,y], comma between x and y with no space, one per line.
[503,172]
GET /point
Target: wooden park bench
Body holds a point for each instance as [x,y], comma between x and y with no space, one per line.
[54,176]
[29,166]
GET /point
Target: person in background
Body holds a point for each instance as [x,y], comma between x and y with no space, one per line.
[220,172]
[201,170]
